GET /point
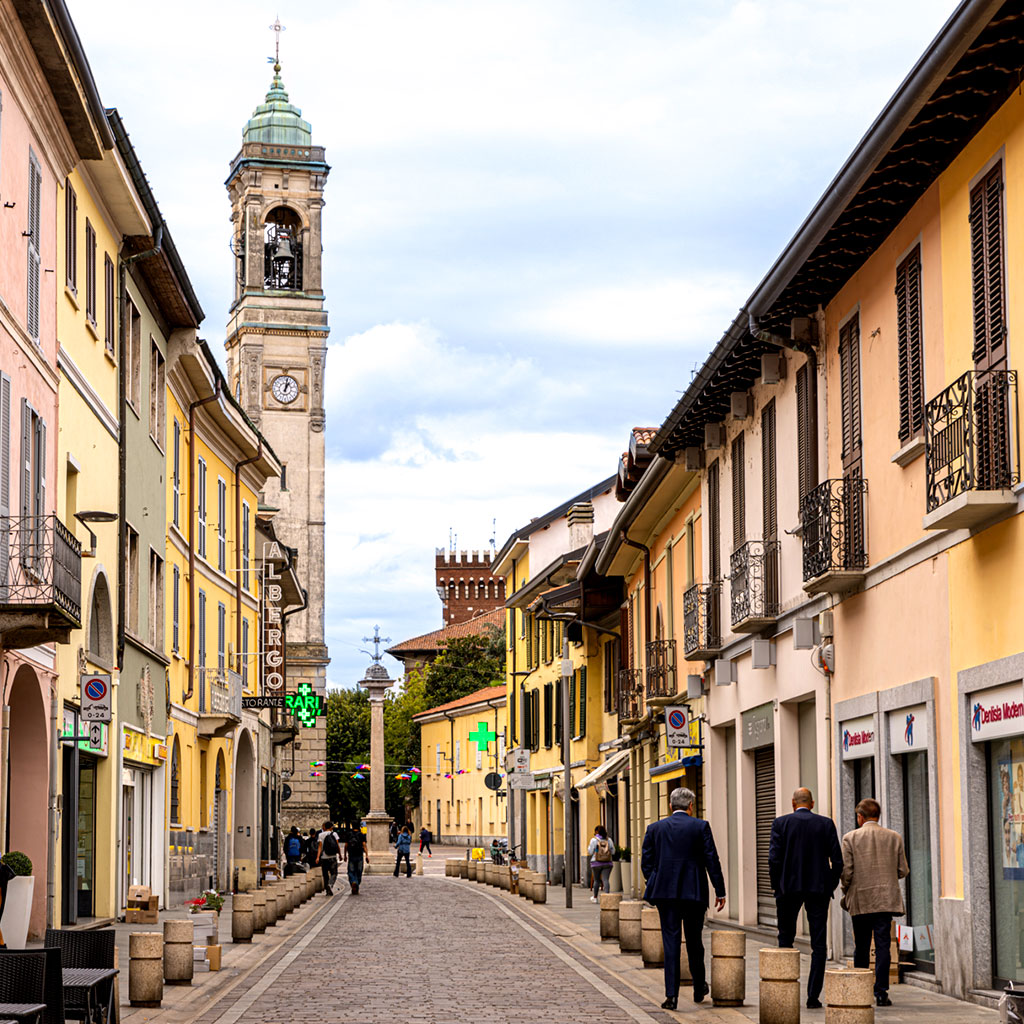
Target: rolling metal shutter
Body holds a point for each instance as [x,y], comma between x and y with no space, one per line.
[764,815]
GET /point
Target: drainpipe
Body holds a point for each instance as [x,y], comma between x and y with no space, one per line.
[191,531]
[238,542]
[647,586]
[451,761]
[51,846]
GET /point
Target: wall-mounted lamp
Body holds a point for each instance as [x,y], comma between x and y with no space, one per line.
[85,518]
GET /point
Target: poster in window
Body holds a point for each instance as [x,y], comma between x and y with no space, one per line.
[1011,799]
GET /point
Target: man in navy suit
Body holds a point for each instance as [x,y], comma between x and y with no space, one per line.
[678,856]
[805,861]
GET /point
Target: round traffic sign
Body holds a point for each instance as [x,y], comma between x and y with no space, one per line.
[492,780]
[96,689]
[677,719]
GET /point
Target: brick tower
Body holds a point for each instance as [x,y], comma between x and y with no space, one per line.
[465,585]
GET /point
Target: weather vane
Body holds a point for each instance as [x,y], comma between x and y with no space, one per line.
[277,28]
[376,640]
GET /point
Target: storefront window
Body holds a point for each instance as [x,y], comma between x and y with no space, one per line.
[919,854]
[86,836]
[863,783]
[1006,842]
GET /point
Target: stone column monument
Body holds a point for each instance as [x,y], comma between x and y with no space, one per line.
[378,821]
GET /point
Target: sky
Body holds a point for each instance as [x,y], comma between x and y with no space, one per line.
[541,216]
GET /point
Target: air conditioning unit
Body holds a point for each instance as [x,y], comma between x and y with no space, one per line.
[773,367]
[741,405]
[725,671]
[714,436]
[825,625]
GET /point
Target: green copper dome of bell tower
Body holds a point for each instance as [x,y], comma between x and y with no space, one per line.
[276,121]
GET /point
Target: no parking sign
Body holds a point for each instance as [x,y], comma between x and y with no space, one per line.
[677,726]
[96,698]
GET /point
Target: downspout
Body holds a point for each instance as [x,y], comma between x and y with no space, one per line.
[238,550]
[647,586]
[191,532]
[451,759]
[51,846]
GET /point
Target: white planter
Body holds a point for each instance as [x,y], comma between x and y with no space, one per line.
[627,877]
[17,911]
[615,878]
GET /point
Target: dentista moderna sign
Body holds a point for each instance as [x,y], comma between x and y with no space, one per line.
[997,712]
[857,737]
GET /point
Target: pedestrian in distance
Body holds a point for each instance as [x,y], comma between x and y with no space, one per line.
[356,855]
[327,854]
[600,851]
[312,846]
[425,838]
[292,851]
[402,846]
[805,862]
[677,859]
[874,861]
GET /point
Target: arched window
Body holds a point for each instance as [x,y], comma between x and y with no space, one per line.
[101,631]
[175,771]
[282,251]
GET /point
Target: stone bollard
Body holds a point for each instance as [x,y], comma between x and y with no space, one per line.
[471,870]
[419,863]
[291,887]
[540,887]
[318,881]
[282,900]
[178,952]
[259,911]
[728,967]
[506,878]
[850,996]
[270,902]
[651,949]
[630,938]
[242,917]
[526,883]
[779,992]
[481,872]
[610,914]
[145,969]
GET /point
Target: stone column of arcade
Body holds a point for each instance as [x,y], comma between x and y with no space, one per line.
[378,821]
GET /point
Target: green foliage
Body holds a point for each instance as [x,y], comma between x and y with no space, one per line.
[622,853]
[467,664]
[18,862]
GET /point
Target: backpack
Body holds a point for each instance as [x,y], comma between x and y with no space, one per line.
[604,851]
[293,846]
[331,848]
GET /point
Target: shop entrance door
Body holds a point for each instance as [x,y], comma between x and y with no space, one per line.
[127,839]
[863,784]
[86,849]
[917,838]
[1006,849]
[764,815]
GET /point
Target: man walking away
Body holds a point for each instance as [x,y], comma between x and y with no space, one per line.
[873,864]
[425,838]
[678,857]
[312,846]
[355,854]
[292,851]
[402,845]
[328,850]
[805,862]
[600,851]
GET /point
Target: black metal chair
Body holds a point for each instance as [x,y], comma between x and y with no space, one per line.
[22,985]
[85,954]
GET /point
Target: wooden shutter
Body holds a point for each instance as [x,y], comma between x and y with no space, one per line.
[739,498]
[26,463]
[770,511]
[202,628]
[70,222]
[988,277]
[558,711]
[526,735]
[108,303]
[909,345]
[806,434]
[583,701]
[40,490]
[35,187]
[528,629]
[849,372]
[714,524]
[175,598]
[90,271]
[221,624]
[176,482]
[549,713]
[535,719]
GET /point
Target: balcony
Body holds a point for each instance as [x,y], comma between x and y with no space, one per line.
[754,575]
[661,670]
[972,450]
[631,695]
[702,621]
[832,518]
[220,702]
[40,581]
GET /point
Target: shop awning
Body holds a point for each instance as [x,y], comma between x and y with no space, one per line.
[602,771]
[676,767]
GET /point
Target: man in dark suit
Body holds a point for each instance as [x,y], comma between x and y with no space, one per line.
[805,862]
[678,856]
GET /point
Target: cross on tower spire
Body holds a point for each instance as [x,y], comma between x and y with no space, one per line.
[277,28]
[376,640]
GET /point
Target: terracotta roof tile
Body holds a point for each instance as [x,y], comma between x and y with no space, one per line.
[435,641]
[488,693]
[644,435]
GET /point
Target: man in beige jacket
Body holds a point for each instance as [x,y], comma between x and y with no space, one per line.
[873,864]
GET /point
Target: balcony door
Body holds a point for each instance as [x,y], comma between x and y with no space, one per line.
[852,437]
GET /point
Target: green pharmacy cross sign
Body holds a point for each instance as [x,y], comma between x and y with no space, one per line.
[306,705]
[482,736]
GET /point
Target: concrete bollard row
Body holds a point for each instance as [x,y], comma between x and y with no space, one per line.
[779,988]
[146,969]
[610,914]
[178,963]
[242,913]
[728,967]
[270,901]
[850,996]
[630,928]
[651,949]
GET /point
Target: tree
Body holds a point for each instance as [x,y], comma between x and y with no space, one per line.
[466,664]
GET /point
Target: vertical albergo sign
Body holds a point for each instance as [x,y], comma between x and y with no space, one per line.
[273,635]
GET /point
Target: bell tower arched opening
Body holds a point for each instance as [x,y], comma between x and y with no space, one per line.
[282,250]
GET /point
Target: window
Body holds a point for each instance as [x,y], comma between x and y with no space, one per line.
[222,525]
[535,719]
[131,596]
[284,476]
[583,701]
[245,545]
[133,341]
[611,668]
[849,374]
[201,507]
[33,466]
[770,511]
[33,239]
[806,432]
[439,760]
[458,756]
[108,303]
[988,272]
[222,626]
[175,599]
[282,248]
[739,505]
[558,712]
[157,393]
[176,473]
[572,705]
[5,474]
[245,654]
[175,774]
[70,237]
[201,630]
[714,529]
[101,625]
[549,713]
[909,345]
[90,272]
[528,625]
[156,601]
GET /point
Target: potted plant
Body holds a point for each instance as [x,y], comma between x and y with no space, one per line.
[17,907]
[205,910]
[625,870]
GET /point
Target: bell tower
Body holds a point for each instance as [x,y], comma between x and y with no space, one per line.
[276,342]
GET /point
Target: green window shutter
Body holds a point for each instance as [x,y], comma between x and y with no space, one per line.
[583,701]
[572,705]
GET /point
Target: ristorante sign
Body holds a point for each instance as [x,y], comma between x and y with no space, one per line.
[997,712]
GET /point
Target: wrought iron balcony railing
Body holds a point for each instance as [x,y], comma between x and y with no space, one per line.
[972,436]
[832,519]
[220,694]
[40,567]
[661,668]
[702,620]
[754,576]
[631,694]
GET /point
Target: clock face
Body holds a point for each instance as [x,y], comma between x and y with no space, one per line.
[285,388]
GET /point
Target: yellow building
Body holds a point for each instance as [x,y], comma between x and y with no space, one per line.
[216,465]
[462,742]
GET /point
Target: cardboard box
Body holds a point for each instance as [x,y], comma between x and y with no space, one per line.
[142,906]
[213,954]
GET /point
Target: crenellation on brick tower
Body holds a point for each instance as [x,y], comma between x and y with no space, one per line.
[465,585]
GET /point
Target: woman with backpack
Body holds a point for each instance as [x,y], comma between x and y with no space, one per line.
[402,846]
[600,851]
[292,851]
